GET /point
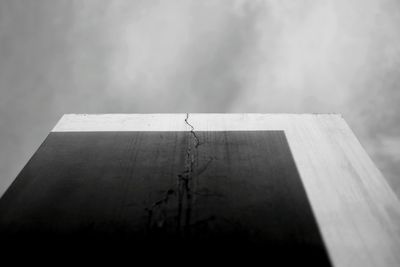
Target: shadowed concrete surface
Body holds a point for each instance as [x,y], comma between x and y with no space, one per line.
[226,191]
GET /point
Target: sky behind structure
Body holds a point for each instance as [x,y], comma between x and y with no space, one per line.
[59,56]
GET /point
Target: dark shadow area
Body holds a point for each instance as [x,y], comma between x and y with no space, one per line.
[231,195]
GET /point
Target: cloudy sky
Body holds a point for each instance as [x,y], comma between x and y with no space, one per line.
[126,56]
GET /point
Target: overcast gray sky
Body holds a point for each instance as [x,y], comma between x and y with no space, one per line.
[126,56]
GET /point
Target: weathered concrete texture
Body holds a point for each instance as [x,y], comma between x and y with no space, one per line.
[217,189]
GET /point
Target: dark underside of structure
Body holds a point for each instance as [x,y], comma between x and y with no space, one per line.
[204,192]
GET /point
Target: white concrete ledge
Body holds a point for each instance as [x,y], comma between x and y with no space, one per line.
[176,122]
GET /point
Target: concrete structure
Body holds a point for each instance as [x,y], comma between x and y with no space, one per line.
[284,184]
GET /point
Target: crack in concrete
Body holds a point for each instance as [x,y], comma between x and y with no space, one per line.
[158,204]
[192,131]
[185,192]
